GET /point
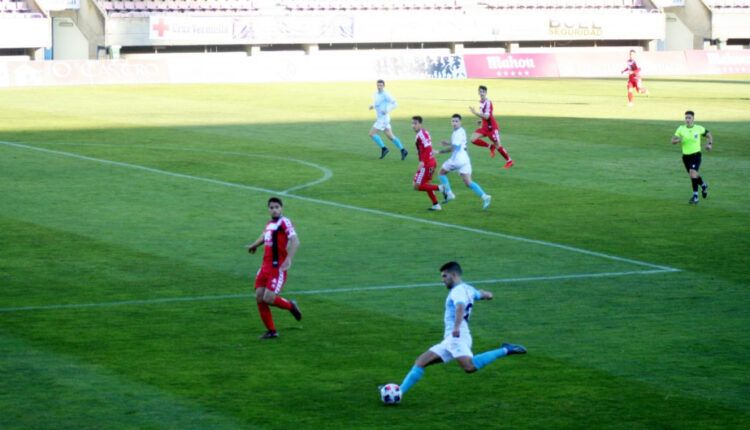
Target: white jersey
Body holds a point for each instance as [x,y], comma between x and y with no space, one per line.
[383,104]
[459,154]
[463,294]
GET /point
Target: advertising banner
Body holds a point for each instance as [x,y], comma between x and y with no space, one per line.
[223,30]
[510,65]
[59,4]
[718,62]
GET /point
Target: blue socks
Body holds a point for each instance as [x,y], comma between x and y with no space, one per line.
[488,357]
[414,375]
[378,140]
[477,189]
[446,184]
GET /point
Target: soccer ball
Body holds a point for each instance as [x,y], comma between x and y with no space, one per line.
[390,394]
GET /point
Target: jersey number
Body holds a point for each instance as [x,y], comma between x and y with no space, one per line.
[467,312]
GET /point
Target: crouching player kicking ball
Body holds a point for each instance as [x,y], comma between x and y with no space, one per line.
[281,244]
[456,344]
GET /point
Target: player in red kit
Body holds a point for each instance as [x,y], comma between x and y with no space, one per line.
[281,244]
[634,77]
[488,127]
[427,163]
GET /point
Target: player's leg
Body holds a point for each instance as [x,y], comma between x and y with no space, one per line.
[466,176]
[263,309]
[497,143]
[443,175]
[476,139]
[692,164]
[272,297]
[427,358]
[377,139]
[630,92]
[485,358]
[396,141]
[423,182]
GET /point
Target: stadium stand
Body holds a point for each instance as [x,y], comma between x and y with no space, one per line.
[18,7]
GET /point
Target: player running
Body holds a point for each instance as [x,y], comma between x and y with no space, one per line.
[383,104]
[427,163]
[634,77]
[689,135]
[281,244]
[459,161]
[488,127]
[457,340]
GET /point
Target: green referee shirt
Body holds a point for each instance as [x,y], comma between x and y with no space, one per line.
[691,138]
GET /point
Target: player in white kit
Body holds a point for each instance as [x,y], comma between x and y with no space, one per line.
[383,103]
[459,162]
[456,344]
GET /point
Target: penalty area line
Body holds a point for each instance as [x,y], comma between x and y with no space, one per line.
[349,207]
[326,291]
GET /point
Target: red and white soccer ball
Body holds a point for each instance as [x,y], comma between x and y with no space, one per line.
[390,394]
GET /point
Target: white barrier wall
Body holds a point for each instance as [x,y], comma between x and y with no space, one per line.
[364,66]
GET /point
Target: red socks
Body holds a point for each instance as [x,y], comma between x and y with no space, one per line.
[282,303]
[503,152]
[430,190]
[480,142]
[630,97]
[265,316]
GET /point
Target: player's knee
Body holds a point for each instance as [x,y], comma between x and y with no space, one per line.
[416,186]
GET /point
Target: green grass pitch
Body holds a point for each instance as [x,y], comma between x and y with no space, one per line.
[125,292]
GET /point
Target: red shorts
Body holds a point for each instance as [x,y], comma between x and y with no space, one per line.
[634,82]
[492,133]
[424,175]
[270,278]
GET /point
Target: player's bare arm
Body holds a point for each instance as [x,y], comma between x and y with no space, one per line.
[459,318]
[254,246]
[291,249]
[710,141]
[676,140]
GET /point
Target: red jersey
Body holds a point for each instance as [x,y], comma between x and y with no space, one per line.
[486,108]
[632,68]
[276,236]
[424,148]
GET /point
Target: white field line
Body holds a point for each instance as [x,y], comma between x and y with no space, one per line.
[324,291]
[350,207]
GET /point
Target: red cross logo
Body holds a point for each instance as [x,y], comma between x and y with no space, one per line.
[161,27]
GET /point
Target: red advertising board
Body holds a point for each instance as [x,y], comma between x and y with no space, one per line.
[510,65]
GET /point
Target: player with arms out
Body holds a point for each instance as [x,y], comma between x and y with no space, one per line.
[281,243]
[427,163]
[459,161]
[488,127]
[689,135]
[634,77]
[383,104]
[456,344]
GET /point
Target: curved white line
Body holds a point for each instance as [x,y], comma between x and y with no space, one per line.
[327,173]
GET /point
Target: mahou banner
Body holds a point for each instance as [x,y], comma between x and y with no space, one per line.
[510,65]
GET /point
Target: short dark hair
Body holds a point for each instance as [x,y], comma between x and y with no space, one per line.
[691,113]
[452,267]
[633,51]
[380,81]
[417,118]
[482,87]
[275,200]
[456,115]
